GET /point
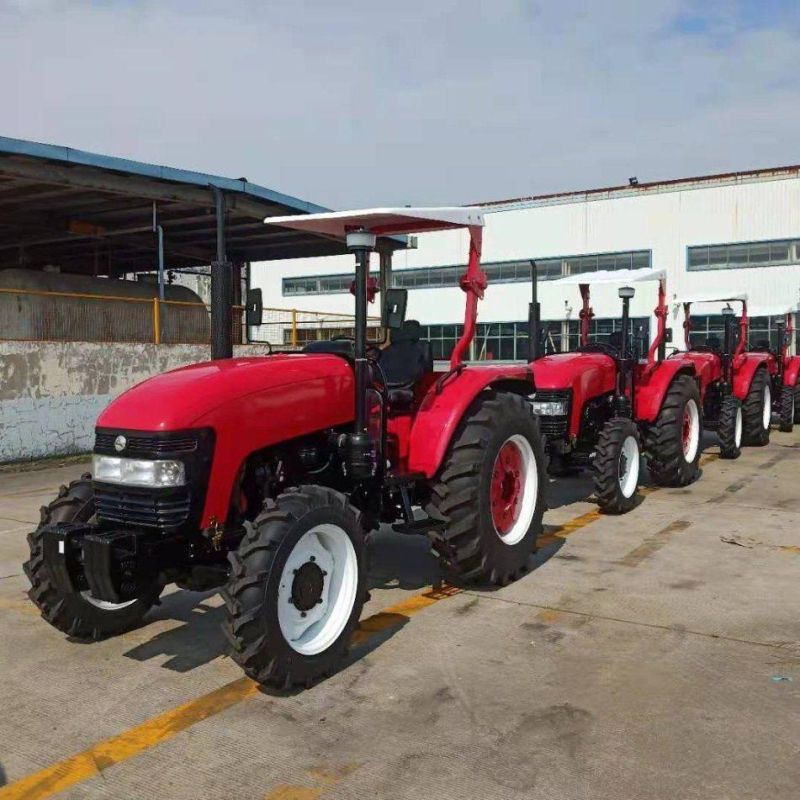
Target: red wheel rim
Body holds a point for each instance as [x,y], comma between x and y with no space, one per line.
[686,433]
[507,487]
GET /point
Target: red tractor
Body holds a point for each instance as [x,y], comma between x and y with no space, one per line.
[735,384]
[265,476]
[784,369]
[606,403]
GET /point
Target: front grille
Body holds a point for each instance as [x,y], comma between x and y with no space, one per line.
[146,507]
[146,445]
[553,427]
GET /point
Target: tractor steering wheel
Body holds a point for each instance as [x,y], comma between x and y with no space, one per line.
[599,347]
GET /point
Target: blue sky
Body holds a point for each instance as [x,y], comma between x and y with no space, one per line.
[354,103]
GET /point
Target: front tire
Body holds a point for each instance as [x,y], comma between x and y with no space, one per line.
[757,410]
[490,491]
[729,431]
[787,410]
[616,466]
[296,589]
[77,614]
[674,439]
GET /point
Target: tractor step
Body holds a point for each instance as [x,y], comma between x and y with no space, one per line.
[418,526]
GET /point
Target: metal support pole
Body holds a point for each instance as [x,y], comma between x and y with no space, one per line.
[362,273]
[247,278]
[534,313]
[385,280]
[221,321]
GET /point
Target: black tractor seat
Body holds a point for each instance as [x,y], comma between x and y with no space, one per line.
[407,359]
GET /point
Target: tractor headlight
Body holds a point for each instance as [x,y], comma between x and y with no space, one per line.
[550,408]
[138,472]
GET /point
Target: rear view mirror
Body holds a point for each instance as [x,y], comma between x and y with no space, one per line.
[394,308]
[254,307]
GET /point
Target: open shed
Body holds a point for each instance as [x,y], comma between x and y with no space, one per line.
[99,215]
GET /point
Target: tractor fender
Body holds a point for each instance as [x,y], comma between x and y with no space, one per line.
[653,387]
[441,411]
[745,369]
[791,371]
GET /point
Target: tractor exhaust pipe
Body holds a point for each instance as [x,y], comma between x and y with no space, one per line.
[534,315]
[729,323]
[625,294]
[361,450]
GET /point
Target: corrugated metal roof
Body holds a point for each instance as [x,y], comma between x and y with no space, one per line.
[635,189]
[68,155]
[91,213]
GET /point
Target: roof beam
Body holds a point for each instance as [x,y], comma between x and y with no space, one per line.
[104,181]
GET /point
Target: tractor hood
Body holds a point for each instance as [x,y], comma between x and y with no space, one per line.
[587,374]
[294,386]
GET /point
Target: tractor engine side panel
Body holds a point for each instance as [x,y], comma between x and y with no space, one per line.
[585,375]
[440,413]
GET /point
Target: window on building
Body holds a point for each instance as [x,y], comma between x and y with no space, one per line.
[747,254]
[497,272]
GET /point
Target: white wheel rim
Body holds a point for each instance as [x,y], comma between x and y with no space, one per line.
[767,410]
[692,442]
[528,487]
[737,435]
[629,467]
[315,630]
[104,604]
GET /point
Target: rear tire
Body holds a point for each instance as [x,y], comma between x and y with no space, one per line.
[616,466]
[797,404]
[296,589]
[490,491]
[787,410]
[757,410]
[674,440]
[77,614]
[729,431]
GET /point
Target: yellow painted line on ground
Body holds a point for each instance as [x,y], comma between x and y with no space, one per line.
[92,762]
[400,612]
[101,756]
[323,778]
[130,743]
[653,544]
[568,528]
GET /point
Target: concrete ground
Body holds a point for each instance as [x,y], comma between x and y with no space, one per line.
[655,655]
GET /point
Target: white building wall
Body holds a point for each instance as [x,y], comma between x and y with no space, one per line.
[663,219]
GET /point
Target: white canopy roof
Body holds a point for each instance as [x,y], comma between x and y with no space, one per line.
[713,298]
[621,276]
[382,221]
[772,310]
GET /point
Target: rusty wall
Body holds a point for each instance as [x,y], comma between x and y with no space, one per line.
[52,392]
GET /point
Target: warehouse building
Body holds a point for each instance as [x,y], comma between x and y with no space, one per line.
[718,234]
